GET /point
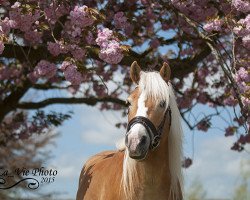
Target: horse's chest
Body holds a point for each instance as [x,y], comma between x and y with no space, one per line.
[154,193]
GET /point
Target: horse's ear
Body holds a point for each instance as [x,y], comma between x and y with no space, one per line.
[165,72]
[135,72]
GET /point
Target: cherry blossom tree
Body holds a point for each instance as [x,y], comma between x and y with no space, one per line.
[80,47]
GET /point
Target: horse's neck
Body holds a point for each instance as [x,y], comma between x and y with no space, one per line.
[157,164]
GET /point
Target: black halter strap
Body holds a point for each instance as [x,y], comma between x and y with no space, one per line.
[154,134]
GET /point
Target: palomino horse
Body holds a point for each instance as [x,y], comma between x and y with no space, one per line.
[148,166]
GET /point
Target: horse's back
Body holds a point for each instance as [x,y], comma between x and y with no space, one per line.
[101,177]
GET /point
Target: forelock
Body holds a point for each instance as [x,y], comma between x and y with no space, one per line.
[153,86]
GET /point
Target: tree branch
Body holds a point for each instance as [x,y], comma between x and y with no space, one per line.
[180,68]
[91,101]
[48,87]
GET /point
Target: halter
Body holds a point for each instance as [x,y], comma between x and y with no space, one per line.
[154,134]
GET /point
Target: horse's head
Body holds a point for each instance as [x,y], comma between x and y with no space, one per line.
[148,109]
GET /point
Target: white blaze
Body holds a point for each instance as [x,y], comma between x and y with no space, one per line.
[138,130]
[142,109]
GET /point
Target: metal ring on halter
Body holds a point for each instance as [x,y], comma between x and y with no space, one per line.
[154,134]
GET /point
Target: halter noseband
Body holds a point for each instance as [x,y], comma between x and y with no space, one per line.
[154,134]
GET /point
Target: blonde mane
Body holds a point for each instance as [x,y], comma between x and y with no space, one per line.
[154,86]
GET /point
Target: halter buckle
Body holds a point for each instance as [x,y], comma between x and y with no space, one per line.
[155,142]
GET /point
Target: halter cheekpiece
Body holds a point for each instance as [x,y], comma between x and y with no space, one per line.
[153,132]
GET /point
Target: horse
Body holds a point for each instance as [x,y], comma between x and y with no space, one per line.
[147,166]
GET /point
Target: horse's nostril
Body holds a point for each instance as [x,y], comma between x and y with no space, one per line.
[143,140]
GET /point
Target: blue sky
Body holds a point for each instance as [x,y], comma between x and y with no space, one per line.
[91,131]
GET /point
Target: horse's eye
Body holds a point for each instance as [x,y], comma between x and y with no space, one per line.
[127,103]
[163,104]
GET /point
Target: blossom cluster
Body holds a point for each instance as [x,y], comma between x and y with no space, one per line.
[71,73]
[9,73]
[242,78]
[198,10]
[110,49]
[20,126]
[27,22]
[80,19]
[54,12]
[120,20]
[1,47]
[214,25]
[242,6]
[44,69]
[59,48]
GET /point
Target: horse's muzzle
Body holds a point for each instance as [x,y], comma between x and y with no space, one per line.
[137,148]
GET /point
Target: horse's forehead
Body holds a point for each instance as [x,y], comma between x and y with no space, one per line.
[137,92]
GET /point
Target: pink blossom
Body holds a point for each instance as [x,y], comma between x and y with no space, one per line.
[32,77]
[54,48]
[246,41]
[33,36]
[64,65]
[53,12]
[16,5]
[6,25]
[203,125]
[90,38]
[112,54]
[111,51]
[57,48]
[71,73]
[230,101]
[202,73]
[150,14]
[202,98]
[99,89]
[242,6]
[144,2]
[103,37]
[120,20]
[45,69]
[4,2]
[184,102]
[246,23]
[213,25]
[81,17]
[73,89]
[77,52]
[1,47]
[129,29]
[244,139]
[242,75]
[188,51]
[76,31]
[246,102]
[237,147]
[5,73]
[239,30]
[243,87]
[230,131]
